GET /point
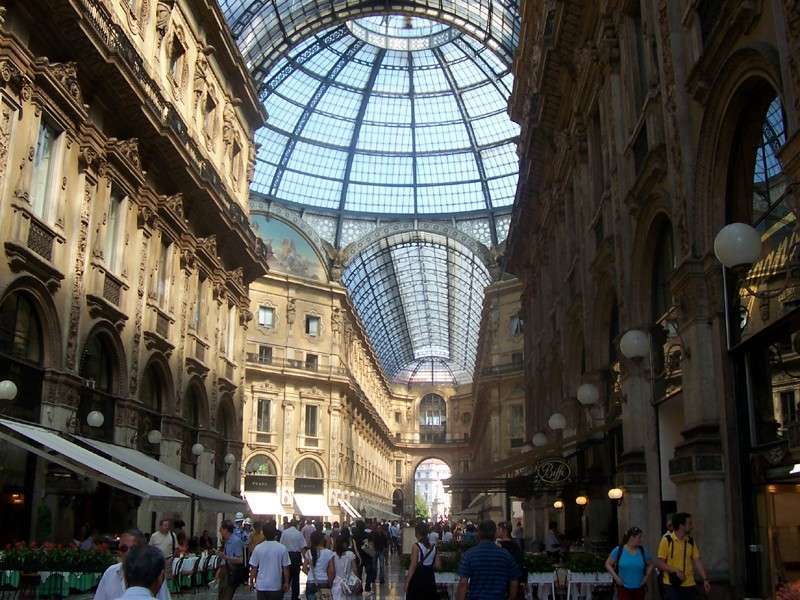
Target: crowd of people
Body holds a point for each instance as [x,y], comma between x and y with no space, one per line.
[346,562]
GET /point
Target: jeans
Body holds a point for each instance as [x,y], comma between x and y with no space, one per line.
[294,574]
[380,565]
[679,592]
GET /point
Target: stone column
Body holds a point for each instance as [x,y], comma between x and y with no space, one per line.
[698,465]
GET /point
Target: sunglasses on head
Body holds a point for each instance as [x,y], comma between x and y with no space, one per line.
[634,531]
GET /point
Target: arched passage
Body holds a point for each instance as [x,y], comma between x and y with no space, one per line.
[100,368]
[430,499]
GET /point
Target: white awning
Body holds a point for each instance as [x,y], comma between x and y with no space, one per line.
[349,509]
[264,503]
[372,510]
[311,505]
[56,449]
[210,498]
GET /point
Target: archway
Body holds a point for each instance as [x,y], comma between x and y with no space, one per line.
[431,502]
[397,502]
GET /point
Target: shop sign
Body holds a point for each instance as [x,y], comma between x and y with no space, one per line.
[552,471]
[260,483]
[303,485]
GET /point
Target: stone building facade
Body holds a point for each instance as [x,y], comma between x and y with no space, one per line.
[125,152]
[647,126]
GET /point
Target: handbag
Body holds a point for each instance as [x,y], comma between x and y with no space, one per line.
[351,584]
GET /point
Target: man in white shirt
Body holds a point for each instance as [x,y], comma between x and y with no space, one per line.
[164,539]
[433,537]
[447,536]
[112,583]
[307,530]
[294,542]
[269,567]
[144,573]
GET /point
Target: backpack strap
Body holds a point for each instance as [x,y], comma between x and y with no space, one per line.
[619,557]
[644,558]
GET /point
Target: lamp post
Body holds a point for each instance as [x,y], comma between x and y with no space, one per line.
[8,390]
[197,451]
[229,459]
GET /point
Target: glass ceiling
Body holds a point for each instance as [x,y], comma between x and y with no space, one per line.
[265,30]
[361,129]
[419,296]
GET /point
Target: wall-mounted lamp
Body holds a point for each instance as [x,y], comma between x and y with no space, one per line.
[8,390]
[558,504]
[557,421]
[95,419]
[154,437]
[588,394]
[539,439]
[615,495]
[635,344]
[197,449]
[582,500]
[738,245]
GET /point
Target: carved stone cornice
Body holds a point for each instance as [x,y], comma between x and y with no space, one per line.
[100,308]
[653,172]
[124,154]
[60,82]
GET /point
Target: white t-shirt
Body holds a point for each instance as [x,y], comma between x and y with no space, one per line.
[269,558]
[447,537]
[343,564]
[167,543]
[433,538]
[293,540]
[320,573]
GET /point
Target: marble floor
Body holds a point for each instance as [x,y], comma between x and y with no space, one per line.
[391,590]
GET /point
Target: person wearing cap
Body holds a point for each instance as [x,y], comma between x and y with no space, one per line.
[239,530]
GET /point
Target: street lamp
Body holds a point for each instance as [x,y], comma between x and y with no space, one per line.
[558,504]
[588,394]
[95,419]
[737,245]
[8,390]
[154,437]
[539,439]
[557,421]
[615,495]
[635,344]
[197,449]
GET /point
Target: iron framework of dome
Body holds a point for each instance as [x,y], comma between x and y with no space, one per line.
[357,129]
[420,296]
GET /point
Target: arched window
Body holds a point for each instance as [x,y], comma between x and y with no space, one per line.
[432,418]
[191,413]
[663,266]
[261,465]
[308,468]
[97,371]
[20,329]
[151,394]
[151,389]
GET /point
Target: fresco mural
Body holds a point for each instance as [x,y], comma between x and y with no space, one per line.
[288,251]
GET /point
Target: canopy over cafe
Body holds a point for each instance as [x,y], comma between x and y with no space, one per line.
[55,482]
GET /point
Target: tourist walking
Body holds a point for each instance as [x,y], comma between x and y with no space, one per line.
[269,566]
[345,569]
[365,552]
[318,566]
[112,583]
[233,570]
[679,559]
[519,535]
[294,542]
[512,547]
[630,566]
[307,530]
[420,578]
[165,540]
[487,572]
[380,541]
[144,573]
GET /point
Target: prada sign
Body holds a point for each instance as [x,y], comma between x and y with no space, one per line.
[260,483]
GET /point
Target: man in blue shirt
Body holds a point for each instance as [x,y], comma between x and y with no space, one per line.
[487,571]
[233,570]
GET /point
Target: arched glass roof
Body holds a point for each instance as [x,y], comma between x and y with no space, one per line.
[419,296]
[361,129]
[265,30]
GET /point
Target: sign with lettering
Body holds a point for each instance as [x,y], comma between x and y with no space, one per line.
[260,483]
[303,485]
[552,471]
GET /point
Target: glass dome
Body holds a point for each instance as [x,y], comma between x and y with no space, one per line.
[357,126]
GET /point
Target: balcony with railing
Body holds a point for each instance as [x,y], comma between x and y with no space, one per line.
[301,364]
[431,438]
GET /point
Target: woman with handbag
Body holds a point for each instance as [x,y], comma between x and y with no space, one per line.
[420,578]
[346,584]
[318,566]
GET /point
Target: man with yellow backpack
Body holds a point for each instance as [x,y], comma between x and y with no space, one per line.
[678,559]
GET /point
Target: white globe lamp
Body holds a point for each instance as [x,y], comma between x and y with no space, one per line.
[557,421]
[154,437]
[197,449]
[737,244]
[539,439]
[588,394]
[95,419]
[229,459]
[635,344]
[8,390]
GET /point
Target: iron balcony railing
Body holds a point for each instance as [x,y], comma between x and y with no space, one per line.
[291,363]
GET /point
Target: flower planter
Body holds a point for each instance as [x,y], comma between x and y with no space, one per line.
[545,584]
[583,583]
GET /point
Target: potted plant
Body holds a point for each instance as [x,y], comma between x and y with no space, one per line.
[585,567]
